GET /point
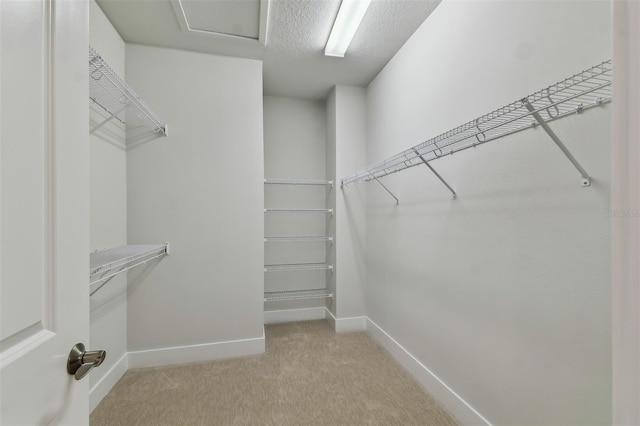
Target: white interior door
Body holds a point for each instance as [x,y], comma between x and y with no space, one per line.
[44,210]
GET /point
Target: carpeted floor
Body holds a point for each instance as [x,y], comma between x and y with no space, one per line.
[309,375]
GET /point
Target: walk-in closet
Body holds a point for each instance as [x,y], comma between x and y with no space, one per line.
[336,212]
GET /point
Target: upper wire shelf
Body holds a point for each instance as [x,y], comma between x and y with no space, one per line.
[298,182]
[115,96]
[589,88]
[303,239]
[106,264]
[302,210]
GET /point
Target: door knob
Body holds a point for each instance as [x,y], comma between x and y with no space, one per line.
[80,361]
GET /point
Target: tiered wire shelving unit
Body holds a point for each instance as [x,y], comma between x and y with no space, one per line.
[111,93]
[302,294]
[574,95]
[106,264]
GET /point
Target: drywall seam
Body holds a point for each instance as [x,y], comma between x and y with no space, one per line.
[292,315]
[462,410]
[108,381]
[196,353]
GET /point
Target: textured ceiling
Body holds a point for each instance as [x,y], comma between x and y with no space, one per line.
[294,61]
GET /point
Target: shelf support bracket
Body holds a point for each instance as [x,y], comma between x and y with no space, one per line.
[111,116]
[586,180]
[387,189]
[455,196]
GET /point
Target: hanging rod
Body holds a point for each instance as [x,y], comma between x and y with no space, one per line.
[298,182]
[114,95]
[330,211]
[314,293]
[286,267]
[106,264]
[587,89]
[297,239]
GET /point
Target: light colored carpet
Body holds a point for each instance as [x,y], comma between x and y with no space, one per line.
[309,375]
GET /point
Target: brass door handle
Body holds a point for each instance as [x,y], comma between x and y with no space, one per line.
[80,361]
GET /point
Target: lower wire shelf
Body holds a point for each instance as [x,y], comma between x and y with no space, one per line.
[314,293]
[285,267]
[106,264]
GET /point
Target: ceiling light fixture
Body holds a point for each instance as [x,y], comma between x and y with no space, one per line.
[345,26]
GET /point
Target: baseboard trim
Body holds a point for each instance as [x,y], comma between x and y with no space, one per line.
[292,315]
[344,325]
[108,381]
[196,353]
[457,406]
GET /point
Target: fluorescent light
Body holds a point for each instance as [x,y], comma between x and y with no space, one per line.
[344,28]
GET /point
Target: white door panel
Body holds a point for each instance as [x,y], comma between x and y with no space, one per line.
[44,302]
[23,152]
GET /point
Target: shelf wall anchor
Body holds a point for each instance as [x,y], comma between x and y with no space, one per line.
[586,180]
[387,189]
[455,196]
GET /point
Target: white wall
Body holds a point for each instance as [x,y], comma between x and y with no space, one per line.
[295,148]
[346,124]
[201,189]
[625,205]
[504,293]
[108,206]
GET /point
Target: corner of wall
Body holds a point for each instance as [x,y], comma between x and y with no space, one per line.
[109,379]
[349,122]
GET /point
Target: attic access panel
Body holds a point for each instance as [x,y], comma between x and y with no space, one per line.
[240,20]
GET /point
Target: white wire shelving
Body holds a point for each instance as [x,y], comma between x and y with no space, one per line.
[106,264]
[115,96]
[310,182]
[574,95]
[314,293]
[301,239]
[298,294]
[299,210]
[289,267]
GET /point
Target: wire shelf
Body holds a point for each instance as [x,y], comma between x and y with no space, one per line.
[575,94]
[297,239]
[287,267]
[298,182]
[105,264]
[315,293]
[115,96]
[330,211]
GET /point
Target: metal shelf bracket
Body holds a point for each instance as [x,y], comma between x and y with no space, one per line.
[108,119]
[387,189]
[455,196]
[586,180]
